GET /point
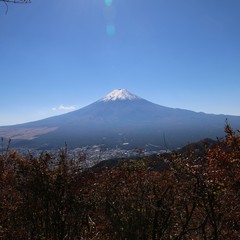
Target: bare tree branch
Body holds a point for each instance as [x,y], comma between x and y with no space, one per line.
[14,1]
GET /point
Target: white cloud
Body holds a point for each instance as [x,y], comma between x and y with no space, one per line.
[64,108]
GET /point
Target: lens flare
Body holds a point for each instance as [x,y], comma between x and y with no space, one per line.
[108,2]
[110,29]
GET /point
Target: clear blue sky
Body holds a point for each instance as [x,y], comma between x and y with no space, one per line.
[59,55]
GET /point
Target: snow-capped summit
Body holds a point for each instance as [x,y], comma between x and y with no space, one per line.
[120,117]
[119,94]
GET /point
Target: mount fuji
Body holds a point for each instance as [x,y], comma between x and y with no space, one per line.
[120,119]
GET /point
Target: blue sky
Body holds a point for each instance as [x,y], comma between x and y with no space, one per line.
[61,55]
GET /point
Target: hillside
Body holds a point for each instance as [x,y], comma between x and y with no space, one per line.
[120,118]
[190,197]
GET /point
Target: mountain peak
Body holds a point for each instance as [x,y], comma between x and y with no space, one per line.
[119,94]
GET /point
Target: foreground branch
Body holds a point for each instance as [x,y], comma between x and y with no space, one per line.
[14,1]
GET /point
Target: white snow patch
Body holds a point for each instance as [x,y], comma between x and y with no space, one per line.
[119,94]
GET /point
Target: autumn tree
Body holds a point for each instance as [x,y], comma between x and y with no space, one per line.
[181,195]
[42,198]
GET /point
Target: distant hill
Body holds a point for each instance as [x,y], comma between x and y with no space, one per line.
[120,119]
[156,161]
[153,163]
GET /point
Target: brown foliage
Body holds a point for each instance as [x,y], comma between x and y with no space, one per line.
[51,197]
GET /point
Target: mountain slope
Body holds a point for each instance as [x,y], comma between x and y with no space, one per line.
[120,118]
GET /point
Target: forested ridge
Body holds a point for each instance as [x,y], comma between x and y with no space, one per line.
[196,195]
